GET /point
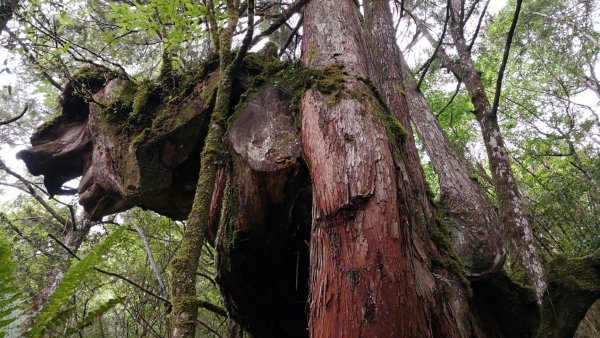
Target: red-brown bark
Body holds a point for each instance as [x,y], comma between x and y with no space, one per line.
[475,226]
[362,274]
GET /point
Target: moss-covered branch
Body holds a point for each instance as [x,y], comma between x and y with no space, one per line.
[185,262]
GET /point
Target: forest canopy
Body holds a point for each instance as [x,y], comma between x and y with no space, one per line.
[299,168]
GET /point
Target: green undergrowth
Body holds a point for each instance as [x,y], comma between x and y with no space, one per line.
[53,313]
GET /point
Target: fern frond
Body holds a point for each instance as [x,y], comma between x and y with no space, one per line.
[76,274]
[10,298]
[98,312]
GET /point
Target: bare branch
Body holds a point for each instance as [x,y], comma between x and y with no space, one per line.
[151,258]
[456,91]
[14,119]
[478,28]
[294,8]
[32,191]
[291,37]
[509,38]
[437,48]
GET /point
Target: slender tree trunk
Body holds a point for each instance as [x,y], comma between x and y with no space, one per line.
[475,225]
[151,260]
[510,204]
[185,262]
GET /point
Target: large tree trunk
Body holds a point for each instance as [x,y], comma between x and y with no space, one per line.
[369,271]
[359,247]
[475,226]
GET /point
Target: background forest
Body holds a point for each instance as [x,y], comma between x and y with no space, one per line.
[61,276]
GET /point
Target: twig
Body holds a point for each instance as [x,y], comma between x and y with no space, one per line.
[437,48]
[478,25]
[456,91]
[11,120]
[213,331]
[291,37]
[294,8]
[31,189]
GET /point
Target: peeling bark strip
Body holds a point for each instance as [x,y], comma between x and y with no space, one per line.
[362,281]
[475,226]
